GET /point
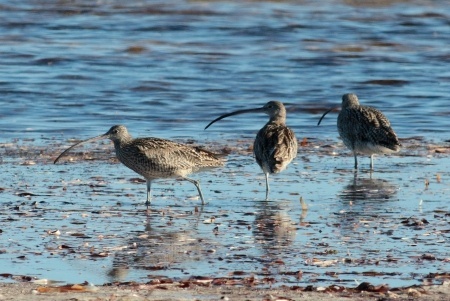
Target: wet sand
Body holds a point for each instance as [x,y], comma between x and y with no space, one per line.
[239,285]
[131,292]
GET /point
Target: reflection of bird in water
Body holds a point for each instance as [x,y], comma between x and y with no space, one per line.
[364,205]
[368,189]
[160,247]
[118,273]
[364,129]
[155,252]
[273,228]
[155,158]
[275,145]
[274,233]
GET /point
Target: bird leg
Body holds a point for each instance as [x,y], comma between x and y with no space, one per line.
[371,162]
[197,184]
[356,160]
[149,195]
[267,185]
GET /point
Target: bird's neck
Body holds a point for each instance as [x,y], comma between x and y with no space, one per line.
[280,120]
[124,140]
[351,105]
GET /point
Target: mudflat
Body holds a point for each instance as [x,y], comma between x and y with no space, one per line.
[173,291]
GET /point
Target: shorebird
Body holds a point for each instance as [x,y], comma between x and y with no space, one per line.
[275,145]
[155,158]
[364,129]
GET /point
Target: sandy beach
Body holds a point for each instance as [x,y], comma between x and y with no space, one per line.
[136,292]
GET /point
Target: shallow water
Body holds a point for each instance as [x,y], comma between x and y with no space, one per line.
[73,70]
[386,227]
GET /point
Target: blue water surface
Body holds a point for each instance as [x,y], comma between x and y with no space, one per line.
[71,70]
[166,69]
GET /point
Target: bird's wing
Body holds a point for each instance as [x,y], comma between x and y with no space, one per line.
[382,130]
[375,117]
[172,154]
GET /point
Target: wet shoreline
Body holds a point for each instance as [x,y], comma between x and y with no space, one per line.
[68,205]
[199,290]
[166,69]
[45,153]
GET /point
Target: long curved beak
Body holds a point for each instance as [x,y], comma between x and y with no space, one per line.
[81,142]
[328,111]
[257,110]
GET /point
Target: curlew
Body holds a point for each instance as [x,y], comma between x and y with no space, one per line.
[364,130]
[275,145]
[155,158]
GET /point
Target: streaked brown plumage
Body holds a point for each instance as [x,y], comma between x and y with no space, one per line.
[364,129]
[155,158]
[275,145]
